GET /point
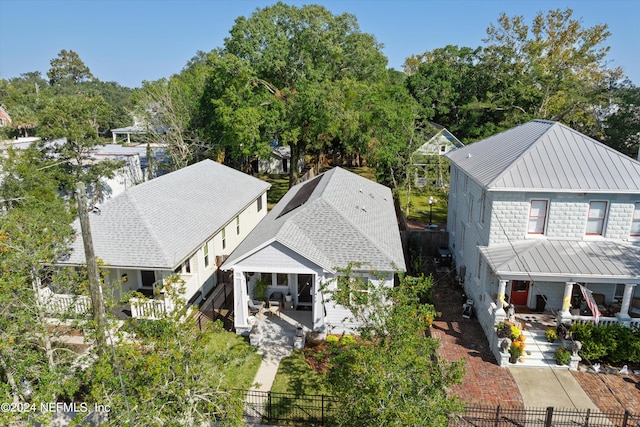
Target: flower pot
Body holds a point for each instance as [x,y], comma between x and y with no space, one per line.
[288,298]
[513,359]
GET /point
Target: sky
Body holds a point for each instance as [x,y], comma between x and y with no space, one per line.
[131,41]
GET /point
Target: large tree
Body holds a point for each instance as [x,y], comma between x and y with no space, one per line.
[34,231]
[303,59]
[553,69]
[68,68]
[622,120]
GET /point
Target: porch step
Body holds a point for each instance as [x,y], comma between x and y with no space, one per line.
[541,351]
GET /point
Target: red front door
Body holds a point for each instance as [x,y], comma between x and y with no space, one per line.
[519,292]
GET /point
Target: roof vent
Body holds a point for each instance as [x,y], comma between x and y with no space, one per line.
[469,156]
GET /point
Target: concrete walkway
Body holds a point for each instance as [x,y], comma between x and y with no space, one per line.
[543,387]
[276,343]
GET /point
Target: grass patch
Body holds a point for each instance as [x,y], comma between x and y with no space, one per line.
[237,358]
[296,376]
[419,205]
[279,187]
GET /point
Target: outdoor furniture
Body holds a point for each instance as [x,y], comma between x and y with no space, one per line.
[275,303]
[255,306]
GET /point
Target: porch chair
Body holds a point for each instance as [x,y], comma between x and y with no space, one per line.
[599,299]
[255,307]
[275,303]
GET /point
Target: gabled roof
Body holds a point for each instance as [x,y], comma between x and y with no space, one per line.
[161,222]
[332,220]
[564,260]
[440,137]
[547,156]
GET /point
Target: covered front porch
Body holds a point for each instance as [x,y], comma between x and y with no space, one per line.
[292,295]
[574,281]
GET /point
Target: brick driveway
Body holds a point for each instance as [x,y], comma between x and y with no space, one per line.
[485,383]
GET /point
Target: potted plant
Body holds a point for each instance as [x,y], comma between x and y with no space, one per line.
[260,289]
[551,334]
[288,297]
[515,351]
[562,355]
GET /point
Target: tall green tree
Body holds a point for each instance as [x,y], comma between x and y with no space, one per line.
[622,120]
[34,231]
[393,366]
[78,119]
[67,67]
[301,57]
[553,69]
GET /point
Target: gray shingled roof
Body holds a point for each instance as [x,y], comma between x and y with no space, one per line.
[159,223]
[346,219]
[563,260]
[547,156]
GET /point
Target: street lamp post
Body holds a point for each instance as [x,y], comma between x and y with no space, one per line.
[431,202]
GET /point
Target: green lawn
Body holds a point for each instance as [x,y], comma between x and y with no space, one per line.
[238,358]
[296,376]
[419,206]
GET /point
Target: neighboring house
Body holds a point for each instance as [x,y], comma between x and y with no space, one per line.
[5,119]
[428,160]
[278,162]
[185,222]
[539,209]
[128,175]
[319,227]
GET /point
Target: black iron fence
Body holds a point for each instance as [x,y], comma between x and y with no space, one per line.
[289,409]
[319,410]
[542,417]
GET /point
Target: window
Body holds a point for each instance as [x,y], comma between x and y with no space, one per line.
[479,265]
[238,225]
[224,238]
[596,217]
[483,206]
[635,221]
[206,255]
[537,217]
[282,279]
[259,203]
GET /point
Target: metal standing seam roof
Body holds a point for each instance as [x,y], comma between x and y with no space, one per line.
[346,219]
[565,260]
[547,156]
[161,222]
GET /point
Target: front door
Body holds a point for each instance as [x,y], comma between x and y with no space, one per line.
[519,292]
[305,285]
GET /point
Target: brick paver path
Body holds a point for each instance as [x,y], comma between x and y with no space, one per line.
[611,392]
[485,383]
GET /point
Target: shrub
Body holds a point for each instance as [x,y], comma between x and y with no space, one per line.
[551,334]
[562,355]
[515,350]
[515,332]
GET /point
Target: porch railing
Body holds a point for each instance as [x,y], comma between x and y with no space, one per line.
[632,323]
[152,309]
[62,304]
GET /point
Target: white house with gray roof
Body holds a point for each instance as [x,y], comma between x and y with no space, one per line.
[538,209]
[185,222]
[319,227]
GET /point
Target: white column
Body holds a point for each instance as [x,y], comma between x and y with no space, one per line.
[241,309]
[566,300]
[626,301]
[500,314]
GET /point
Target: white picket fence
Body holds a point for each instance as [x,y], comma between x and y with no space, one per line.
[62,304]
[153,309]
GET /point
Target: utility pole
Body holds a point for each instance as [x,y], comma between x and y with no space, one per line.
[92,269]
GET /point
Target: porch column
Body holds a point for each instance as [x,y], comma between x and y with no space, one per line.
[626,301]
[500,314]
[566,301]
[241,309]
